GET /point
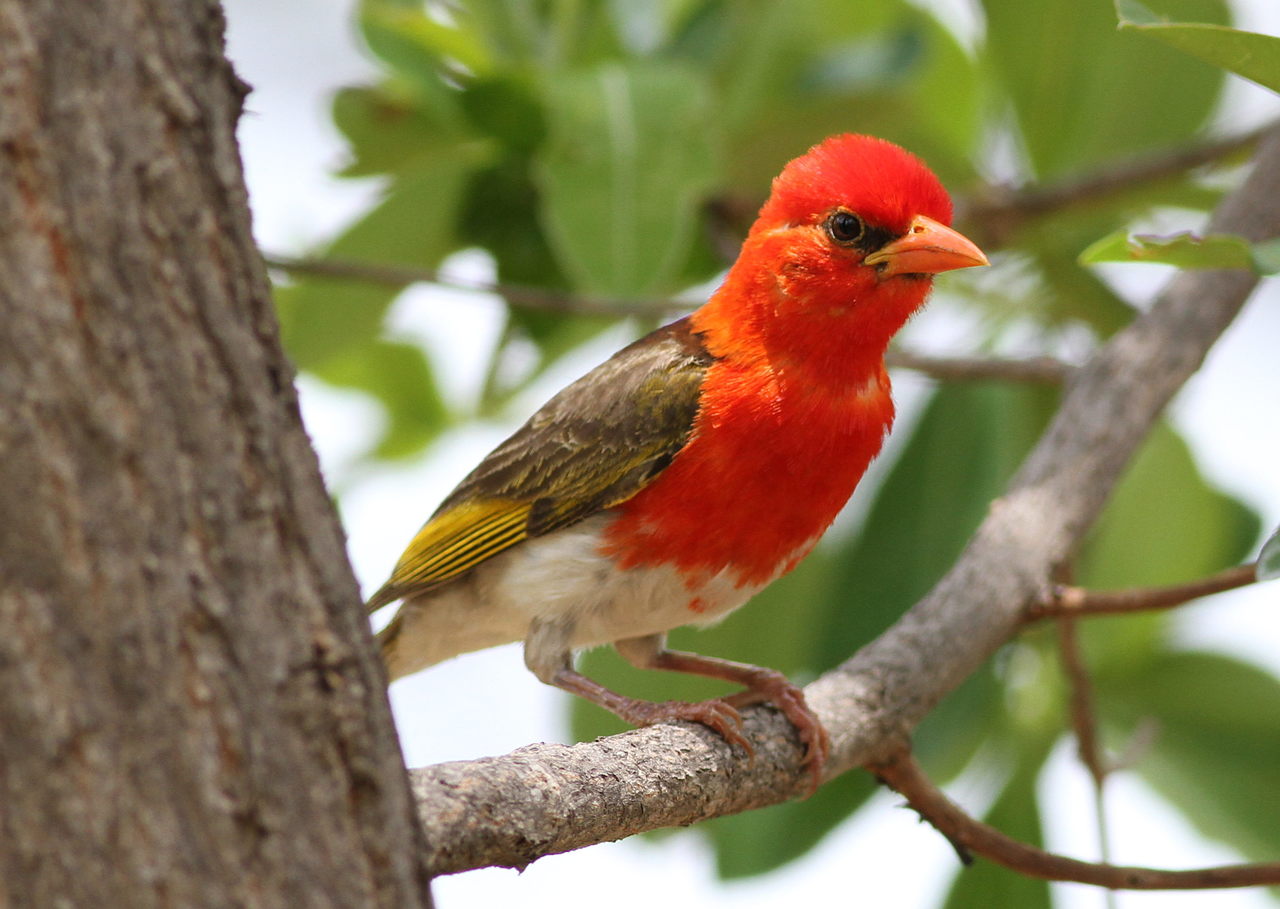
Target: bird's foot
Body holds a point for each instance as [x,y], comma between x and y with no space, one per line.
[718,715]
[721,714]
[775,688]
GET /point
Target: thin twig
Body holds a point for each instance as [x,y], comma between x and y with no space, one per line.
[1032,370]
[1077,601]
[967,834]
[998,212]
[1041,370]
[1084,724]
[517,294]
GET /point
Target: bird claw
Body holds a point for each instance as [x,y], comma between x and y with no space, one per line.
[777,689]
[718,715]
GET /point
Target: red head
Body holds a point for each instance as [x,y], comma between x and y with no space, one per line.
[842,252]
[885,185]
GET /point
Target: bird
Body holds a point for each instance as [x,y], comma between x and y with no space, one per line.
[698,464]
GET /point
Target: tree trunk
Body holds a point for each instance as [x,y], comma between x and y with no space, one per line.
[191,712]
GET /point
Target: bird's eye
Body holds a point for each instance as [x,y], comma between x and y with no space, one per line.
[845,227]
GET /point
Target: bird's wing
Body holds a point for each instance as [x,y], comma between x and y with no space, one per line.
[594,445]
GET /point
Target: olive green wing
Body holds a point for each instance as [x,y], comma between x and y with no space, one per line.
[594,445]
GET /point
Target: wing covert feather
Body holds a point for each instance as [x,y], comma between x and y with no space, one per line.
[594,445]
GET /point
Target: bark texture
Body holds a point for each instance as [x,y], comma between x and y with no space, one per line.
[191,712]
[550,798]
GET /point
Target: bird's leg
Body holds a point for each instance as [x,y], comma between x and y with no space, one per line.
[549,657]
[761,685]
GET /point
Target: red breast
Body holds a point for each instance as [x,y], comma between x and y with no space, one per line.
[777,447]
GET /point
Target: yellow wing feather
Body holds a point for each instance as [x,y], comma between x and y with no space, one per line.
[460,539]
[594,445]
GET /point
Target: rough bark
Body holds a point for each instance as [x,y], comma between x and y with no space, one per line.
[191,712]
[551,798]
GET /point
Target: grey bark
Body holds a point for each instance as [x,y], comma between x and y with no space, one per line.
[545,799]
[191,711]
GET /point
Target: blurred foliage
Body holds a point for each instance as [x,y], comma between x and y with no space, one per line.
[1186,250]
[1247,54]
[617,150]
[1269,559]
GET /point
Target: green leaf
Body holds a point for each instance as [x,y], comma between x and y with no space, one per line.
[548,37]
[412,225]
[397,33]
[416,43]
[945,102]
[952,733]
[645,27]
[400,377]
[1070,291]
[1266,257]
[1085,93]
[512,30]
[1251,55]
[754,52]
[796,73]
[1269,558]
[1066,290]
[1184,249]
[500,214]
[630,157]
[1163,525]
[506,108]
[332,328]
[1217,754]
[386,129]
[402,32]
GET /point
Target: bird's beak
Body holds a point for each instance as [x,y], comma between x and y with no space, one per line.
[926,249]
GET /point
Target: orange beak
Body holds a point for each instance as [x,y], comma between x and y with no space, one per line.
[926,249]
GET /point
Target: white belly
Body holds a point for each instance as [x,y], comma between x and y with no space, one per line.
[563,577]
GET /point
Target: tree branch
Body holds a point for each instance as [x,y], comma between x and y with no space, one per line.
[903,775]
[551,798]
[999,212]
[1032,370]
[1077,601]
[1084,723]
[518,294]
[997,209]
[1039,370]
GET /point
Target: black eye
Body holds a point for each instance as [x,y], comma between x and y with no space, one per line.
[845,227]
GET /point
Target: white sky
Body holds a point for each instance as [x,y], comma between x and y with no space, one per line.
[295,55]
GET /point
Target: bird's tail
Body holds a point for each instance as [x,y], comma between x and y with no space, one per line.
[436,625]
[387,639]
[391,637]
[387,594]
